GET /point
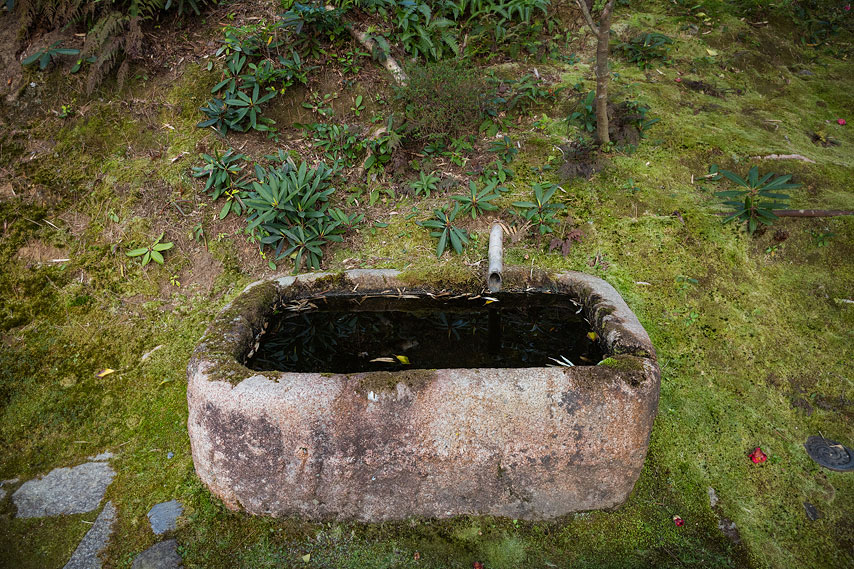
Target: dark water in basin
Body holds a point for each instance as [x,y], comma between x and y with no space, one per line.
[345,334]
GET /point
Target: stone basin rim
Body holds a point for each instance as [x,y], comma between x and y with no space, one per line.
[226,340]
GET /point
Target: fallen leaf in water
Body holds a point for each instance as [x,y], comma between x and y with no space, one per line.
[105,372]
[593,336]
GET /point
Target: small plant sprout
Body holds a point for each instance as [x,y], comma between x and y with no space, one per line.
[756,197]
[822,239]
[478,202]
[505,148]
[358,106]
[425,184]
[446,231]
[153,252]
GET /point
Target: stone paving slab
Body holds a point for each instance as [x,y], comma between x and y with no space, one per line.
[95,540]
[64,491]
[163,555]
[164,515]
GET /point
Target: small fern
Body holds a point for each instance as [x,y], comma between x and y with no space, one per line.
[114,36]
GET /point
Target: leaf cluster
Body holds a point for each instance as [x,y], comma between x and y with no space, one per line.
[254,71]
[478,201]
[225,177]
[638,114]
[646,49]
[504,148]
[443,228]
[540,212]
[45,56]
[425,184]
[755,197]
[338,141]
[584,117]
[382,147]
[433,30]
[286,205]
[289,206]
[153,252]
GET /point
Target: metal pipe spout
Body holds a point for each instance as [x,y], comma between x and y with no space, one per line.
[496,258]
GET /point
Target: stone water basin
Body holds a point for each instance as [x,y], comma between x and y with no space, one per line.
[524,442]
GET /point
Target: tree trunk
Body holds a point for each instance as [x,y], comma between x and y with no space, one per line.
[602,73]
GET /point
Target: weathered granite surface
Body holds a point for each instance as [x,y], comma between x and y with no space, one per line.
[64,491]
[531,443]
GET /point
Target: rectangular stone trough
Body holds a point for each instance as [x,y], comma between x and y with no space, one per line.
[530,443]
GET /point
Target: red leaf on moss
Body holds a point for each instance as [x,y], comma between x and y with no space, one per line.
[758,456]
[678,521]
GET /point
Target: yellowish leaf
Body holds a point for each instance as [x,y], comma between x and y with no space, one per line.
[307,557]
[711,52]
[105,372]
[402,359]
[593,336]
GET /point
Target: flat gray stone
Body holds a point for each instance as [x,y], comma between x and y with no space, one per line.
[813,513]
[163,555]
[95,540]
[164,515]
[64,491]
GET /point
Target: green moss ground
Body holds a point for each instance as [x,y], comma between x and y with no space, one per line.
[765,326]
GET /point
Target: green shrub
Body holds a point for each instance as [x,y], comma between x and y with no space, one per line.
[443,98]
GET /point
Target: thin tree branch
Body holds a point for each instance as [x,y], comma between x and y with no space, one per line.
[586,12]
[606,11]
[804,212]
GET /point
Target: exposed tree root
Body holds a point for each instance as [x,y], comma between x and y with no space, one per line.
[785,157]
[363,38]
